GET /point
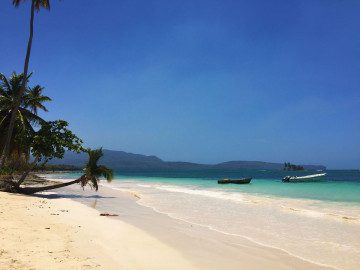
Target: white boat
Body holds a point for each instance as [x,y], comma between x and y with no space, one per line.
[306,178]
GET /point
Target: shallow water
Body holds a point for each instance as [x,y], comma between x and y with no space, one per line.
[319,222]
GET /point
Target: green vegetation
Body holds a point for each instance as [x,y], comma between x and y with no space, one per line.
[27,141]
[35,141]
[35,5]
[27,117]
[56,168]
[292,167]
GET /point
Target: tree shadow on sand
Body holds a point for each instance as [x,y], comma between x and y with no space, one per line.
[71,196]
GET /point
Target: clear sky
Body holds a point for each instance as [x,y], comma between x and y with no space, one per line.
[204,81]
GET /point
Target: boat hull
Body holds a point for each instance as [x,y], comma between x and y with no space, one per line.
[303,179]
[235,181]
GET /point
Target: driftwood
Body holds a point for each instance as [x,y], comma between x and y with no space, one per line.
[108,215]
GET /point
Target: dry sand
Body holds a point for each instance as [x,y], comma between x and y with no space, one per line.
[38,233]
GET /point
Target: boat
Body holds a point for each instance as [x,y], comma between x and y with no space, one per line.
[306,178]
[235,181]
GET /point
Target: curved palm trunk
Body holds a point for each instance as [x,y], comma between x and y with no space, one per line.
[32,190]
[5,152]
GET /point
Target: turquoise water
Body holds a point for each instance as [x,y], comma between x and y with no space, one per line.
[327,191]
[337,186]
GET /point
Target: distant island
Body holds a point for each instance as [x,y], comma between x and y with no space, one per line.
[123,161]
[292,167]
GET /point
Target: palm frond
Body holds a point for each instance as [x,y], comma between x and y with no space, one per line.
[106,172]
[94,156]
[37,4]
[16,3]
[5,83]
[33,118]
[21,119]
[34,98]
[42,4]
[94,171]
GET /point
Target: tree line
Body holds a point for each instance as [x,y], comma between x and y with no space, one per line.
[292,167]
[27,141]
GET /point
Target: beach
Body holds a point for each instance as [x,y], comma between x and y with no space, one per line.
[39,233]
[65,230]
[172,135]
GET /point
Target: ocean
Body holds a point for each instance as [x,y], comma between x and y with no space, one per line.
[318,221]
[336,186]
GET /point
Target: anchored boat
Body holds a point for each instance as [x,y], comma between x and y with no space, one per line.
[235,181]
[306,178]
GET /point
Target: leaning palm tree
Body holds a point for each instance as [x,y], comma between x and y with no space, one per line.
[35,5]
[26,116]
[91,176]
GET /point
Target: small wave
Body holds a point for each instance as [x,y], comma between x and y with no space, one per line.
[318,214]
[207,193]
[296,206]
[309,213]
[250,199]
[143,185]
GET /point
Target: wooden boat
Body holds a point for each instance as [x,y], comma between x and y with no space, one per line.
[235,181]
[306,178]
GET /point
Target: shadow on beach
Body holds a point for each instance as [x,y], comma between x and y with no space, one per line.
[71,196]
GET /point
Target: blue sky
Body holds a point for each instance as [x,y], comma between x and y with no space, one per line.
[204,81]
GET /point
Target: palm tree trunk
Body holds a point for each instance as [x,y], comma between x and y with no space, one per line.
[32,190]
[6,149]
[26,173]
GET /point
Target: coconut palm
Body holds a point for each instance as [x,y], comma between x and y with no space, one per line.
[91,176]
[34,99]
[26,116]
[35,5]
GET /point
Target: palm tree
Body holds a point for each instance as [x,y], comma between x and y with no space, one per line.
[92,173]
[34,99]
[26,116]
[35,5]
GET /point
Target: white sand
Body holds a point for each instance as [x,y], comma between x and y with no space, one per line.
[37,233]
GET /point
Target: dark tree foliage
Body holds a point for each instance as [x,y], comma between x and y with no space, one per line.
[52,140]
[292,167]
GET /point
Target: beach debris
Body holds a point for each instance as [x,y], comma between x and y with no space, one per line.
[135,195]
[349,218]
[47,228]
[108,215]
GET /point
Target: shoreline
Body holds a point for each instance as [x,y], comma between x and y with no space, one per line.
[130,200]
[192,244]
[245,242]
